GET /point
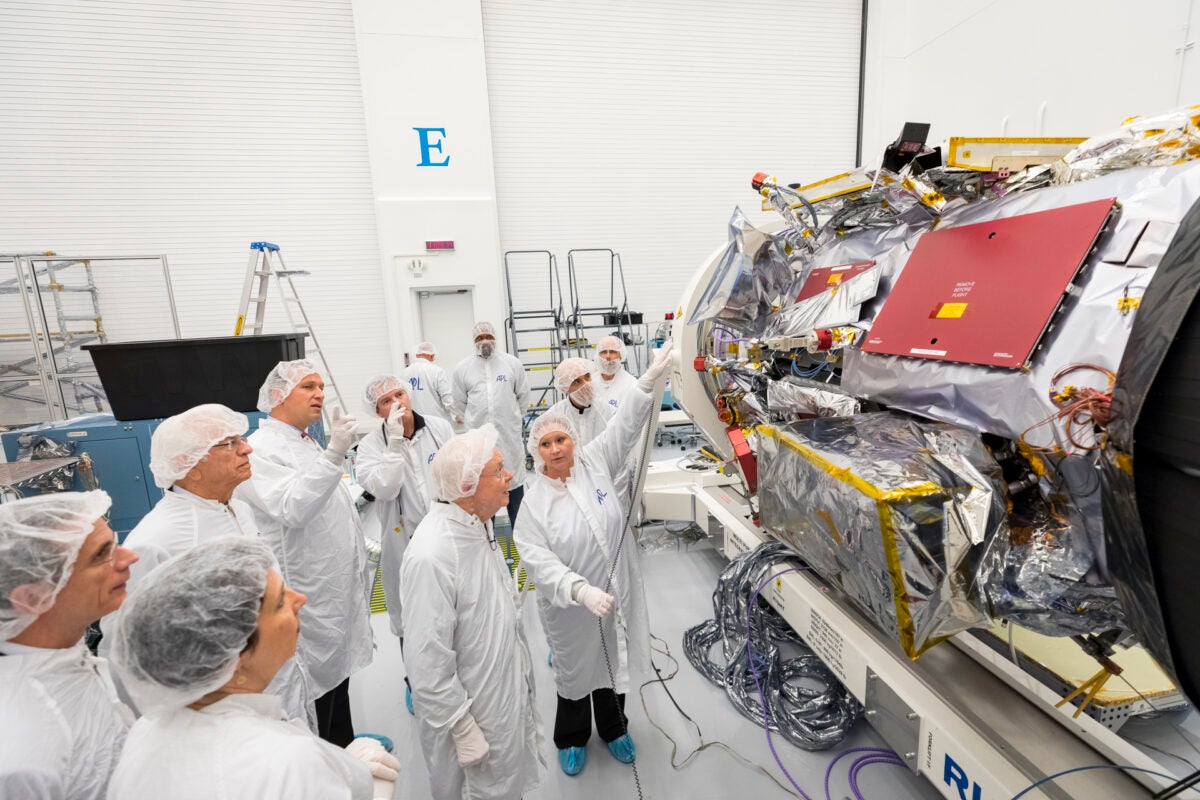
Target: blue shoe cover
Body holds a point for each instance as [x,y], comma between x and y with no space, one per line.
[572,759]
[622,749]
[408,700]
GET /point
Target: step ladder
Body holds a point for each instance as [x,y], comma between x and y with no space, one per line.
[266,261]
[534,334]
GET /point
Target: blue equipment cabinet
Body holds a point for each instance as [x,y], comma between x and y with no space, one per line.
[120,454]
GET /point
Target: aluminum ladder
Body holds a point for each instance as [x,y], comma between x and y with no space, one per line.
[266,261]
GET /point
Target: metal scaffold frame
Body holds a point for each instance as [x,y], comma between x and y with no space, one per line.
[56,359]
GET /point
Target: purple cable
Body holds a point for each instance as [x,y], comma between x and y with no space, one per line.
[866,761]
[875,751]
[762,698]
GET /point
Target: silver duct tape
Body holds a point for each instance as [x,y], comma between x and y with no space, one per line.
[896,512]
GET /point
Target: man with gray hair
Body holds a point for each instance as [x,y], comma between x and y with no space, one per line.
[198,457]
[61,569]
[429,385]
[492,387]
[465,650]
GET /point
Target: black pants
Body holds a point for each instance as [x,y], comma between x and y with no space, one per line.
[573,722]
[333,715]
[515,496]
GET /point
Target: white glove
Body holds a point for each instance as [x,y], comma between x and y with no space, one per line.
[395,422]
[342,434]
[655,370]
[469,742]
[597,601]
[383,765]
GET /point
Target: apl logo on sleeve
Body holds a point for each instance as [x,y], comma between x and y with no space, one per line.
[600,496]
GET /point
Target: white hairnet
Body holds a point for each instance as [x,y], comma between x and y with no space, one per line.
[40,539]
[611,343]
[426,349]
[181,441]
[180,631]
[568,371]
[377,387]
[550,422]
[281,380]
[459,462]
[483,329]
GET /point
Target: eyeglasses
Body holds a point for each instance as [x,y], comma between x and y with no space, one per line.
[232,443]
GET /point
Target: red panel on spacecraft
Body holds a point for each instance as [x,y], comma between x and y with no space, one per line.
[985,293]
[824,278]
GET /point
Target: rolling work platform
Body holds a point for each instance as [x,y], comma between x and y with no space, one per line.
[590,271]
[533,332]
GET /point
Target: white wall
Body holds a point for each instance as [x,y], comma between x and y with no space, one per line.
[1025,68]
[192,129]
[637,125]
[423,66]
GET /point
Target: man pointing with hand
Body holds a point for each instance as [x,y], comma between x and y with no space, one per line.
[306,513]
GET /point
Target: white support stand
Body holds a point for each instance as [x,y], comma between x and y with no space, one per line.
[969,720]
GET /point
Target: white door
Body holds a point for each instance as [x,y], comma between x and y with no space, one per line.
[447,316]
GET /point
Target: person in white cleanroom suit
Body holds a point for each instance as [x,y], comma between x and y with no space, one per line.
[573,378]
[614,381]
[491,386]
[199,457]
[61,724]
[196,644]
[395,464]
[306,513]
[574,530]
[429,385]
[464,648]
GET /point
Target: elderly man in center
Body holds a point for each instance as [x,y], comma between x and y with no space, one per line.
[198,457]
[492,387]
[465,650]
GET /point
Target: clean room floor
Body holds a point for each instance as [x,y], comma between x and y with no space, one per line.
[679,585]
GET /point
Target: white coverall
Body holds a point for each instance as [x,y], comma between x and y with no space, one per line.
[240,748]
[589,422]
[611,393]
[496,390]
[399,475]
[465,652]
[428,387]
[61,724]
[305,512]
[571,531]
[180,521]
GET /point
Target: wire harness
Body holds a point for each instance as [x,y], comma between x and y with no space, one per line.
[804,701]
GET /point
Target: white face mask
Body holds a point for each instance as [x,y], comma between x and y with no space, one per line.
[485,349]
[610,367]
[584,395]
